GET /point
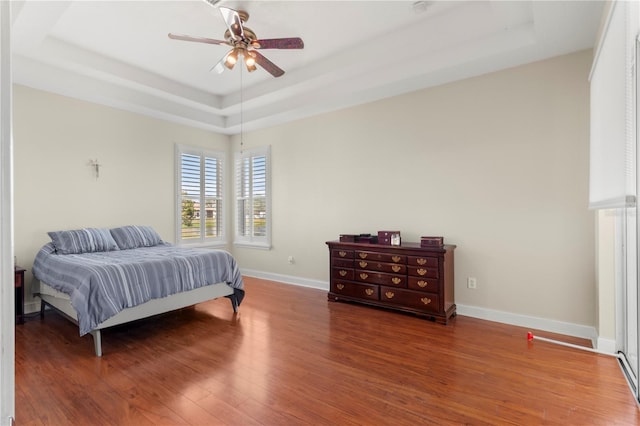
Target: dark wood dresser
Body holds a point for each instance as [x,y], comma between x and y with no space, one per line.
[18,284]
[407,278]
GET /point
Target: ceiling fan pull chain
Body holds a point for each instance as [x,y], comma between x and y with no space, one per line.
[241,111]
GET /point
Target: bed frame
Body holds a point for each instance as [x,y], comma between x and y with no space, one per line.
[61,303]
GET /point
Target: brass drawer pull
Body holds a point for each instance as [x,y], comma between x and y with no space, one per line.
[362,255]
[421,261]
[396,280]
[342,272]
[389,294]
[396,259]
[422,284]
[369,291]
[364,276]
[340,286]
[342,253]
[422,271]
[363,264]
[425,300]
[396,268]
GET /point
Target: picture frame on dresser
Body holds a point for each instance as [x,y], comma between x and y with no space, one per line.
[408,277]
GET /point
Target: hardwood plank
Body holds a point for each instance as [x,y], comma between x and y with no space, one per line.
[291,357]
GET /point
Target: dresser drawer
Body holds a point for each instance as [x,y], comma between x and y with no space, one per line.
[423,261]
[422,271]
[362,291]
[382,267]
[381,278]
[374,256]
[423,284]
[342,273]
[413,299]
[341,263]
[342,254]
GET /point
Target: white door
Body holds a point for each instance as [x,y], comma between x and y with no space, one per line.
[7,307]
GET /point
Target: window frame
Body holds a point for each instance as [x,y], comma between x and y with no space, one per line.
[203,240]
[252,241]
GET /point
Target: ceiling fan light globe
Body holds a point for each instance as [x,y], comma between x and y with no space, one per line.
[250,61]
[251,68]
[231,60]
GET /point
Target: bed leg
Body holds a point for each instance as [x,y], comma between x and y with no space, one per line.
[42,308]
[97,342]
[234,303]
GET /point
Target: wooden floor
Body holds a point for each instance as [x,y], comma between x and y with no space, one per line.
[290,357]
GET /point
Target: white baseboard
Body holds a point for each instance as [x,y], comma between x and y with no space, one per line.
[537,323]
[606,345]
[287,279]
[32,307]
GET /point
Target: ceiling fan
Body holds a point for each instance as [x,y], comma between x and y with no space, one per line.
[245,43]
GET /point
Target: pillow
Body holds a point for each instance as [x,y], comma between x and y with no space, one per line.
[87,240]
[128,237]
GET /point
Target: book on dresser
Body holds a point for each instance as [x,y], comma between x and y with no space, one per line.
[408,277]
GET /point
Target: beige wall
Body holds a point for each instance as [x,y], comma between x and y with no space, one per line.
[497,164]
[55,188]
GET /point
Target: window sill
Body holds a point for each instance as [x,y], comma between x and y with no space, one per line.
[216,244]
[259,246]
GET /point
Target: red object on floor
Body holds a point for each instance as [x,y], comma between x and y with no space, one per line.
[529,336]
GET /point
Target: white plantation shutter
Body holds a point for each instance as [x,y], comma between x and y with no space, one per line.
[200,196]
[252,193]
[212,196]
[190,195]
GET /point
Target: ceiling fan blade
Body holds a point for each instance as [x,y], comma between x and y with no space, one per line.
[196,39]
[233,21]
[213,3]
[279,43]
[219,67]
[271,68]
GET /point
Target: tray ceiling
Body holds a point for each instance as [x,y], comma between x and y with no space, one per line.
[117,53]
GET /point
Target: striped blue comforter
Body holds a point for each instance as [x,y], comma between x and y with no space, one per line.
[101,284]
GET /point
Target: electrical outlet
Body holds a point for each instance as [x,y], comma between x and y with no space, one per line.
[290,260]
[471,282]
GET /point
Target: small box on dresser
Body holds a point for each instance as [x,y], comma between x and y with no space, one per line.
[384,237]
[431,241]
[408,278]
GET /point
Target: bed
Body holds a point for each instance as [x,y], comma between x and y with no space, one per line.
[100,277]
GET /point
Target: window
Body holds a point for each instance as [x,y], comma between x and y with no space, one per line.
[253,193]
[199,196]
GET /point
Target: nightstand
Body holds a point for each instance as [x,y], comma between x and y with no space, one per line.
[19,287]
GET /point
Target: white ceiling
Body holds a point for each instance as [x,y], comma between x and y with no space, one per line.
[117,53]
